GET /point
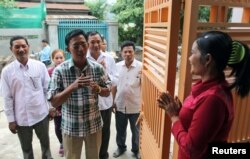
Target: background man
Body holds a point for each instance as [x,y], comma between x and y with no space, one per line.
[44,54]
[104,103]
[127,99]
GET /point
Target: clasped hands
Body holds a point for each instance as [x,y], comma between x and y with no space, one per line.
[171,105]
[86,81]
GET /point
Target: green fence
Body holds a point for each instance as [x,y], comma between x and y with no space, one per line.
[32,17]
[66,25]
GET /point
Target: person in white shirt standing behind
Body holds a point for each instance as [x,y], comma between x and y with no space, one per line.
[24,88]
[104,103]
[127,99]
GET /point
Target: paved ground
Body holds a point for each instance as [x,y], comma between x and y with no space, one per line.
[10,147]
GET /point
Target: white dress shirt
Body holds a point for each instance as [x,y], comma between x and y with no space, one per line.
[24,90]
[128,93]
[105,103]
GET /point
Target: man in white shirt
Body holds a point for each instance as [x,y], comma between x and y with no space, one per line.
[24,87]
[127,99]
[44,54]
[104,103]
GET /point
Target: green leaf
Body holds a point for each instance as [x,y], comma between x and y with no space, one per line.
[129,11]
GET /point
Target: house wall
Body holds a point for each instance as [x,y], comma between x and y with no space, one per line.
[34,37]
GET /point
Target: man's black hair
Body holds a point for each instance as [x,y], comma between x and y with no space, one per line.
[18,37]
[74,33]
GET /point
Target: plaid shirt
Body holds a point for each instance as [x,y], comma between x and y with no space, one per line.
[80,113]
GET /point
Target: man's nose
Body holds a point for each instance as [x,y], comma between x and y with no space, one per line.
[96,44]
[20,49]
[81,47]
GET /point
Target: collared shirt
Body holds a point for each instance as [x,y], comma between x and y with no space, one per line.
[128,87]
[105,103]
[80,113]
[24,91]
[44,54]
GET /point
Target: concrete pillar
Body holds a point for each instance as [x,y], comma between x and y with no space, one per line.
[113,36]
[53,33]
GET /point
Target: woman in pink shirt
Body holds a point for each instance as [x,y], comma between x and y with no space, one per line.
[207,113]
[58,57]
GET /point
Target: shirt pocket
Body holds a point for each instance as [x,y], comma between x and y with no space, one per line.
[135,82]
[35,83]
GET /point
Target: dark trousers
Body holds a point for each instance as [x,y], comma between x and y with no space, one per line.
[25,134]
[58,130]
[106,117]
[121,129]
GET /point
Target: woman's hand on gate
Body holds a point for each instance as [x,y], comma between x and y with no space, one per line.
[171,105]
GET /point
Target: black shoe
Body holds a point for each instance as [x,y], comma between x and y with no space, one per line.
[118,152]
[137,155]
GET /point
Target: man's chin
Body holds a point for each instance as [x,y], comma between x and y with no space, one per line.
[23,57]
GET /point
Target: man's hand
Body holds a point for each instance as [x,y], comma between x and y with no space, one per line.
[52,113]
[95,87]
[13,127]
[82,81]
[103,63]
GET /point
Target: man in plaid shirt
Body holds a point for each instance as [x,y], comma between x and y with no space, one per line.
[76,84]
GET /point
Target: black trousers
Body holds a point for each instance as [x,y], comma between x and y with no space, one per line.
[106,117]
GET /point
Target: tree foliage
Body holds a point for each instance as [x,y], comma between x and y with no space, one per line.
[97,8]
[204,14]
[8,3]
[129,14]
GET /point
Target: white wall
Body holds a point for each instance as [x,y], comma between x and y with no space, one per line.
[34,37]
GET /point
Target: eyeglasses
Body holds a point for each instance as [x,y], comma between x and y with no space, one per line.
[77,46]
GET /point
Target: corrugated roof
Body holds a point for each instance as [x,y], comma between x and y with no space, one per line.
[55,6]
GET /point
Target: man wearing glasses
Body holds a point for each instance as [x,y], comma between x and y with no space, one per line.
[76,84]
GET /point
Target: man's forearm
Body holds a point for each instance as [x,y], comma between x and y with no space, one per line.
[61,97]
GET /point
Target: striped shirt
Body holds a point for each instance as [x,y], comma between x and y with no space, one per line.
[80,113]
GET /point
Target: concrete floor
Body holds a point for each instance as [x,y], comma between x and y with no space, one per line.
[10,147]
